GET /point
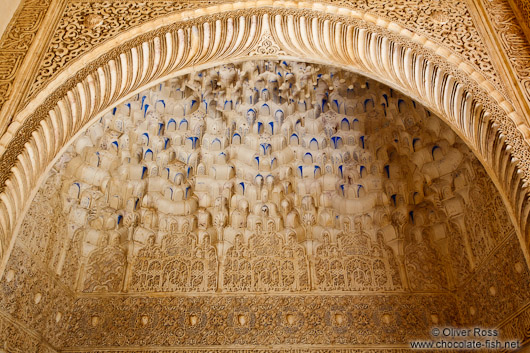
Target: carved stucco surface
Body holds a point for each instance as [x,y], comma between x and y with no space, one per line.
[94,21]
[446,22]
[85,23]
[16,41]
[8,8]
[83,242]
[512,39]
[203,170]
[314,318]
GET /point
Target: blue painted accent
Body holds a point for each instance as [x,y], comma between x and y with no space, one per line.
[78,189]
[400,102]
[144,169]
[147,152]
[114,111]
[271,124]
[386,98]
[265,147]
[367,101]
[120,217]
[359,187]
[335,140]
[193,140]
[345,121]
[362,141]
[414,143]
[393,197]
[434,149]
[387,170]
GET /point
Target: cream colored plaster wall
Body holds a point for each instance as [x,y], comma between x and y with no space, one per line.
[7,9]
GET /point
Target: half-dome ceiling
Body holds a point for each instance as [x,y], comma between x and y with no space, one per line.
[265,177]
[271,176]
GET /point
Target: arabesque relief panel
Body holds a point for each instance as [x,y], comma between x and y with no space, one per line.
[257,320]
[32,297]
[86,24]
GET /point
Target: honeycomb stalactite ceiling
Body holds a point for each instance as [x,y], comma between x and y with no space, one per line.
[268,176]
[168,183]
[263,203]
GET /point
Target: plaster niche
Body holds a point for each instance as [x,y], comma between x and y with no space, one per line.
[269,176]
[264,177]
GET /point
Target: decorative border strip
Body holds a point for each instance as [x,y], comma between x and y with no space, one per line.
[16,42]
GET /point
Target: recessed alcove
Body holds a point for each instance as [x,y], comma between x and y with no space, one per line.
[260,204]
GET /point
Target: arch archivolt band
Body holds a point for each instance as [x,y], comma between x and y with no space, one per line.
[427,72]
